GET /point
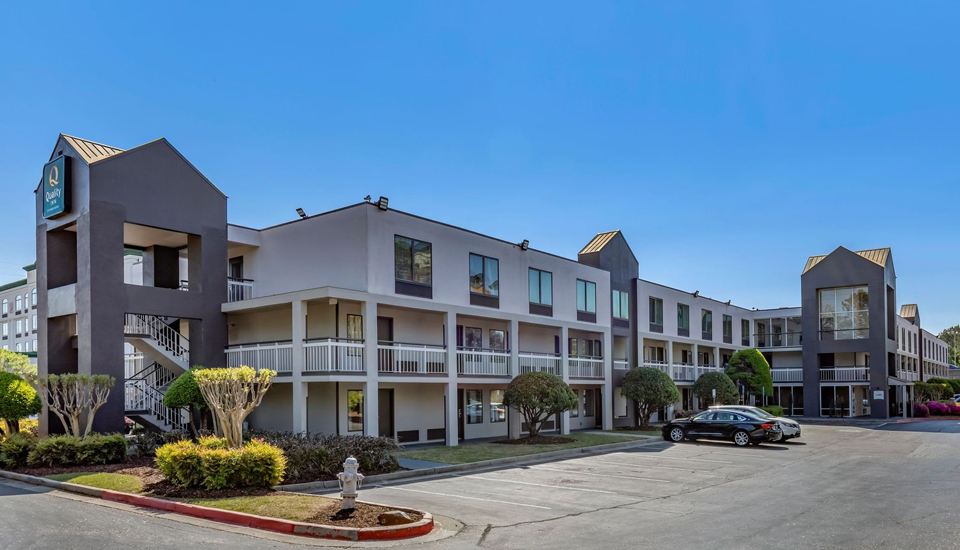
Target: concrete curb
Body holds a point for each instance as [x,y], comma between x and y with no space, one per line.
[482,465]
[416,529]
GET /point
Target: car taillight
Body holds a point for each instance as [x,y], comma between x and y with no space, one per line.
[767,426]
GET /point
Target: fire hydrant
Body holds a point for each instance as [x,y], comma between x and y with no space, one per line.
[350,481]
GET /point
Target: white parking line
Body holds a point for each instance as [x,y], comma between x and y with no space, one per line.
[702,472]
[599,475]
[678,458]
[537,484]
[461,497]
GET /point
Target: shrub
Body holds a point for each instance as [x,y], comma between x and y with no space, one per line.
[936,408]
[15,449]
[927,391]
[67,450]
[184,392]
[18,400]
[726,389]
[321,456]
[145,442]
[70,396]
[749,368]
[775,410]
[650,389]
[212,464]
[102,449]
[59,450]
[920,410]
[538,396]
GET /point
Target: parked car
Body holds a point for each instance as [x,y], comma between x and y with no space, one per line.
[789,428]
[740,427]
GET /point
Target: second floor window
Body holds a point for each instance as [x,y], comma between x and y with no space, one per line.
[621,304]
[745,332]
[5,307]
[727,327]
[844,313]
[484,275]
[541,287]
[6,330]
[19,326]
[683,316]
[706,321]
[413,260]
[656,311]
[586,296]
[19,303]
[34,297]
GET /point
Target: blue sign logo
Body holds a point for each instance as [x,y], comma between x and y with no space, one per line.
[56,187]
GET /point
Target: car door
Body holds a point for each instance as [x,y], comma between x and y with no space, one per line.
[723,424]
[700,424]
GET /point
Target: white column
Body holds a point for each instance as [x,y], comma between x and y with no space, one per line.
[716,356]
[669,410]
[514,348]
[450,391]
[696,356]
[298,334]
[607,420]
[565,374]
[371,386]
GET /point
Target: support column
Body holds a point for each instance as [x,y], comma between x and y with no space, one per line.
[371,386]
[607,420]
[298,334]
[716,356]
[696,357]
[451,393]
[565,374]
[514,419]
[669,357]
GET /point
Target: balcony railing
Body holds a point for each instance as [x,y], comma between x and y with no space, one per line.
[683,372]
[239,289]
[906,374]
[586,367]
[621,364]
[132,364]
[276,356]
[704,369]
[845,374]
[539,362]
[778,339]
[787,375]
[483,362]
[399,357]
[333,355]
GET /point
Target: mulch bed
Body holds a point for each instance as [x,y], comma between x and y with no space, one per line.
[364,515]
[538,440]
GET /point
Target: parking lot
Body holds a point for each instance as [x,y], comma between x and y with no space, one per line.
[836,486]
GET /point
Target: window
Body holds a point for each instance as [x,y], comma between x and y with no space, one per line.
[34,321]
[575,411]
[484,275]
[683,316]
[474,406]
[34,345]
[498,411]
[656,311]
[34,301]
[26,301]
[19,305]
[5,308]
[586,296]
[706,321]
[354,410]
[355,333]
[19,326]
[413,260]
[472,337]
[27,347]
[844,313]
[621,304]
[498,339]
[6,329]
[541,287]
[727,327]
[19,346]
[589,408]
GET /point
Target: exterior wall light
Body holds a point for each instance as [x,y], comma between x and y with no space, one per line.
[303,215]
[382,203]
[525,244]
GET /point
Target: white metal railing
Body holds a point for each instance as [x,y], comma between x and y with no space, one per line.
[398,357]
[165,335]
[483,362]
[276,356]
[132,364]
[621,364]
[333,355]
[140,396]
[787,375]
[704,369]
[586,367]
[685,372]
[239,289]
[845,374]
[906,374]
[539,362]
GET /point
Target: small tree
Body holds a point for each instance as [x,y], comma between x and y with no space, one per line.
[538,396]
[650,389]
[726,389]
[18,364]
[18,400]
[231,394]
[749,369]
[70,396]
[184,392]
[947,390]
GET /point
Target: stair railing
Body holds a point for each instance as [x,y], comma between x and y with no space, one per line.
[165,335]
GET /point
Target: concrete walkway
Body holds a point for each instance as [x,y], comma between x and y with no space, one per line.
[414,464]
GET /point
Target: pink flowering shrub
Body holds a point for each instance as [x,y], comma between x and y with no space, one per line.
[936,408]
[920,410]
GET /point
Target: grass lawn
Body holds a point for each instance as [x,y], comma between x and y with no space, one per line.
[475,452]
[654,432]
[102,480]
[290,506]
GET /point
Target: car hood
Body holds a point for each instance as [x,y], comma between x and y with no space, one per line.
[789,421]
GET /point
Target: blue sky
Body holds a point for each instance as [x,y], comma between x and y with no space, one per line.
[728,141]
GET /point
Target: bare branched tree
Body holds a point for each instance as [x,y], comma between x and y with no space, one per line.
[71,396]
[231,394]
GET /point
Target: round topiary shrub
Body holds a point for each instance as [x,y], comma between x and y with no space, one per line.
[538,396]
[749,368]
[726,389]
[18,400]
[650,389]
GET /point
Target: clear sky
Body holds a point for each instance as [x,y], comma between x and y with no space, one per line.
[728,141]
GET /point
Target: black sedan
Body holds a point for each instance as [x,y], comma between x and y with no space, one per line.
[741,428]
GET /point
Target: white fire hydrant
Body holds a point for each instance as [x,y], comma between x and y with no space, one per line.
[350,481]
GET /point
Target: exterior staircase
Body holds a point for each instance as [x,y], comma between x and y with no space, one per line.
[167,354]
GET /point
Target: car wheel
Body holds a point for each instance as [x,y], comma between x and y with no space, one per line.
[741,438]
[676,434]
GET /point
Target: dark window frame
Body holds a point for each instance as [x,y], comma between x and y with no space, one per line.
[362,419]
[585,295]
[540,273]
[413,275]
[466,403]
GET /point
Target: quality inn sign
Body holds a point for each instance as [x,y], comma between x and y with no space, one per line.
[56,187]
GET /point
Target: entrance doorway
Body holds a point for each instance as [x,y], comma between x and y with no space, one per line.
[386,412]
[835,400]
[385,334]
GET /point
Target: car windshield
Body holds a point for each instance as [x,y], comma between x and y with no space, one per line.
[759,412]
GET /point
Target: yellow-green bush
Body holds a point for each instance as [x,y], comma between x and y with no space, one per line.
[210,464]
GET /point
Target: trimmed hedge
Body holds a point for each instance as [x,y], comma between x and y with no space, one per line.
[320,456]
[67,450]
[775,410]
[15,449]
[210,464]
[943,409]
